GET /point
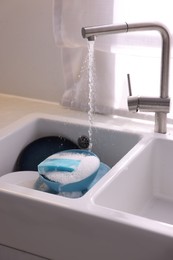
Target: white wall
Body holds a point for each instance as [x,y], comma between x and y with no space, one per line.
[30,63]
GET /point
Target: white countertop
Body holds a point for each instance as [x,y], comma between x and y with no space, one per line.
[13,108]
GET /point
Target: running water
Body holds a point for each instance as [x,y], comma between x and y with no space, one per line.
[91,86]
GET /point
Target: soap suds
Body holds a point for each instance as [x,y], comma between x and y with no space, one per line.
[88,166]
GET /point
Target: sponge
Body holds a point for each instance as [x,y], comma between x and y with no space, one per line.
[70,166]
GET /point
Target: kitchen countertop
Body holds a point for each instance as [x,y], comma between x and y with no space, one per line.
[13,108]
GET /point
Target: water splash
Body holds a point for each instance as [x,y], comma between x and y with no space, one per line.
[91,87]
[80,86]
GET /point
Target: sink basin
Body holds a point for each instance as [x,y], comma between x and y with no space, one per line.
[109,144]
[50,226]
[144,187]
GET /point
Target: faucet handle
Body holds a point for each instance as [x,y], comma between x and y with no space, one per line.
[133,102]
[129,84]
[146,104]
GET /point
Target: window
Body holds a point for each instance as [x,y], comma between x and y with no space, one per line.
[139,54]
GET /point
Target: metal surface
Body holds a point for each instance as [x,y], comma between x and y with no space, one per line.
[157,105]
[129,85]
[148,104]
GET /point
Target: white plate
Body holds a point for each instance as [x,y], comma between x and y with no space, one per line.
[22,178]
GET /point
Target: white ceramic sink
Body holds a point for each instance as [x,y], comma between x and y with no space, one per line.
[48,225]
[144,186]
[126,215]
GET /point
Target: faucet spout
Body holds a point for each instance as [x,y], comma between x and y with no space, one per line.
[94,31]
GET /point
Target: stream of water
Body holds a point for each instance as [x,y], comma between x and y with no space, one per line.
[91,86]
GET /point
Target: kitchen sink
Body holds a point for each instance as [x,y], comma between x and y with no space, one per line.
[47,225]
[127,214]
[144,187]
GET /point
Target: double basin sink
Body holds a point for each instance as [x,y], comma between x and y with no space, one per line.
[128,214]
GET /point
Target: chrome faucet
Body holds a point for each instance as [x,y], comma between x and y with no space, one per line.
[159,105]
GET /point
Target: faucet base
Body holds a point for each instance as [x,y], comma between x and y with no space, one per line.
[160,122]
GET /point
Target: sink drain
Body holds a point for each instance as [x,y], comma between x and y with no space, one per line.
[83,142]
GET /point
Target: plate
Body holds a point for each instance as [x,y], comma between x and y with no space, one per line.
[21,178]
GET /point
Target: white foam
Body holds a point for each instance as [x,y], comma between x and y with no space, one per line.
[87,166]
[68,155]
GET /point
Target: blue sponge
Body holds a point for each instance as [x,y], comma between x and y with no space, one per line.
[70,170]
[53,164]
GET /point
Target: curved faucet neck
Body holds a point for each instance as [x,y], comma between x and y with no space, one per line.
[94,31]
